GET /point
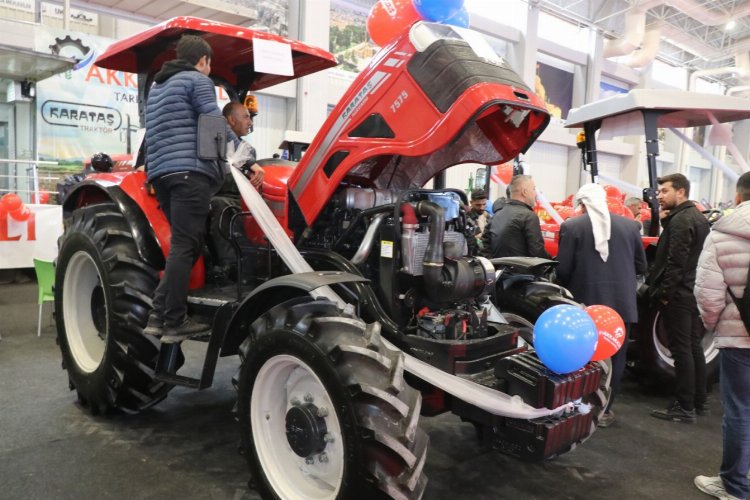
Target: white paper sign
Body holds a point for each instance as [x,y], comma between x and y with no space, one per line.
[23,241]
[272,57]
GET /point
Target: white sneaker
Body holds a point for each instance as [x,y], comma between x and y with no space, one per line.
[713,486]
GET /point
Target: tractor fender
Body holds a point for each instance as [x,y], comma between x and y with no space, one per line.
[274,292]
[94,191]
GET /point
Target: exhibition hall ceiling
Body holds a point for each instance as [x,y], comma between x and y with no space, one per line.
[699,34]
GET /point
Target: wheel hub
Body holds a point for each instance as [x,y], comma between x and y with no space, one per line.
[305,430]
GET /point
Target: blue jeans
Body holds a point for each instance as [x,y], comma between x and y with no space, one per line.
[735,397]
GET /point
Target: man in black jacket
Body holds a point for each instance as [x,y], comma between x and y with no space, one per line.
[671,281]
[600,255]
[514,230]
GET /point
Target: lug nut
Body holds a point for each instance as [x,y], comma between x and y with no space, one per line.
[308,398]
[328,437]
[295,402]
[311,460]
[322,412]
[323,457]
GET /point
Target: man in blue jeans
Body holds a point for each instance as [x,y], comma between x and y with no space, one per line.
[183,182]
[723,266]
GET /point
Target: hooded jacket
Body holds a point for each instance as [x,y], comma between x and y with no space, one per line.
[672,276]
[724,262]
[179,96]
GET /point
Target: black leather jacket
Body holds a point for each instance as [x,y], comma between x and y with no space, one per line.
[515,232]
[672,276]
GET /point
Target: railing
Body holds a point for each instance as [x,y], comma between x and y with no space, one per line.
[25,184]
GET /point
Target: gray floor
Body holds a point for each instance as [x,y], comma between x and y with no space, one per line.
[186,447]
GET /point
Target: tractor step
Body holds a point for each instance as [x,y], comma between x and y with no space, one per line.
[169,352]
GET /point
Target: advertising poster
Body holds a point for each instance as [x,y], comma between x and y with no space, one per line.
[349,40]
[555,87]
[87,109]
[34,238]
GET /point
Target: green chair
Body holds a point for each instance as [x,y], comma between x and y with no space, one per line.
[45,277]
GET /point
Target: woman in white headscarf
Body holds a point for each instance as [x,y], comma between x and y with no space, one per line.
[600,255]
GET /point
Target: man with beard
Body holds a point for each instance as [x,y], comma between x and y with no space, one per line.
[671,283]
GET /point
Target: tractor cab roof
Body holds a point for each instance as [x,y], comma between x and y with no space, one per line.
[675,108]
[232,62]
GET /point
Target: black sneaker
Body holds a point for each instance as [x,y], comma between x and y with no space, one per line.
[187,329]
[703,409]
[155,325]
[676,413]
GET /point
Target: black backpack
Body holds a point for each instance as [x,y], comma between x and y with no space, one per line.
[743,303]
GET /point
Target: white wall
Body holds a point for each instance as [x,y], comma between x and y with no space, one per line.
[548,165]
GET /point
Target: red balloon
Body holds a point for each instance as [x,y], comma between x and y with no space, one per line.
[11,201]
[611,330]
[21,214]
[389,18]
[505,172]
[43,197]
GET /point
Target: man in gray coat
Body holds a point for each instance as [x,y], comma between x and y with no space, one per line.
[723,266]
[183,182]
[600,255]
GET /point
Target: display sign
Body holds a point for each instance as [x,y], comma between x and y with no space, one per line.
[55,11]
[35,238]
[87,109]
[22,5]
[555,87]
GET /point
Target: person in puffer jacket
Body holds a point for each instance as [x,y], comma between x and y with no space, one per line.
[183,183]
[723,264]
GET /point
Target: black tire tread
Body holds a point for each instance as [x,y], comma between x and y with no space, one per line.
[132,356]
[387,409]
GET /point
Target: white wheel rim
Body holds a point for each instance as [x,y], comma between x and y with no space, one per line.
[84,340]
[282,380]
[709,348]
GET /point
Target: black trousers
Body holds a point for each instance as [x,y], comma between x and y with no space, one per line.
[184,198]
[618,365]
[685,330]
[222,250]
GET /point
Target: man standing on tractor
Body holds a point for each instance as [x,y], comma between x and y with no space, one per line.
[671,283]
[183,182]
[240,120]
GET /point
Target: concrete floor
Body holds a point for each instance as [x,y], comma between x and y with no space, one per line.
[186,447]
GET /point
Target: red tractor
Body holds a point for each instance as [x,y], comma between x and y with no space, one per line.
[359,305]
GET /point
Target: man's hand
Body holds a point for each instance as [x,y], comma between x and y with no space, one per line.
[256,175]
[663,213]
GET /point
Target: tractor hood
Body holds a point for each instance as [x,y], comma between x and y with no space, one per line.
[438,96]
[232,62]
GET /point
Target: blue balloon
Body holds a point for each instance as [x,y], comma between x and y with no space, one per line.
[461,19]
[437,10]
[565,338]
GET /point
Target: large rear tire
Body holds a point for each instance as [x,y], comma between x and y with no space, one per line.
[324,410]
[102,299]
[653,359]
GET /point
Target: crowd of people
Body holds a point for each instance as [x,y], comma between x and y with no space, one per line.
[694,281]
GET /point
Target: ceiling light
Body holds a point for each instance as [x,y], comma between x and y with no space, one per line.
[730,25]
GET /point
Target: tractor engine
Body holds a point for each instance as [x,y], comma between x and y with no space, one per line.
[414,247]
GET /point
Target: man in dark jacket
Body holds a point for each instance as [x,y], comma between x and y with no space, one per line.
[600,255]
[671,281]
[184,183]
[514,230]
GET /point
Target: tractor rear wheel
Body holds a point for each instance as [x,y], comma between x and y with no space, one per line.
[103,295]
[324,410]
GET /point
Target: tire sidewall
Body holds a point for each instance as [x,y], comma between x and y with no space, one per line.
[278,342]
[90,385]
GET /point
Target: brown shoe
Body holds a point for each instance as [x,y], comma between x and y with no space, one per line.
[606,419]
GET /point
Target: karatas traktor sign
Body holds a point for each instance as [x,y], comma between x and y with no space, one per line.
[87,117]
